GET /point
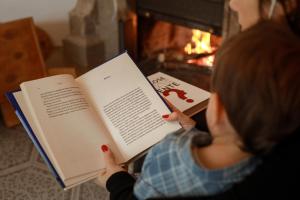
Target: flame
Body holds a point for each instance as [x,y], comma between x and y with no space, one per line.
[200,43]
[206,61]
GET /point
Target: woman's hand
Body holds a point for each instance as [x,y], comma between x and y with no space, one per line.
[186,122]
[111,166]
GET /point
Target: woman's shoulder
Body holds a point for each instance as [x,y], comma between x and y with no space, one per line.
[171,147]
[183,137]
[276,177]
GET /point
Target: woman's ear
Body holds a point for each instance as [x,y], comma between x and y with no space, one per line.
[215,112]
[221,113]
[218,108]
[216,116]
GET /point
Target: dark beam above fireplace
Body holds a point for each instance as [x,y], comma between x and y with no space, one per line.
[206,15]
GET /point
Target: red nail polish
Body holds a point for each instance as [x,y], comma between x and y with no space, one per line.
[104,148]
[165,116]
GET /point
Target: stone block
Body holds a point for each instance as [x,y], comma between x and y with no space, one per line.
[87,52]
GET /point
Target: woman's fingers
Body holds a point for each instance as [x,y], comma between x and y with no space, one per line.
[110,161]
[111,166]
[186,122]
[172,117]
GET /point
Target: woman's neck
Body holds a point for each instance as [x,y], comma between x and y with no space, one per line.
[223,152]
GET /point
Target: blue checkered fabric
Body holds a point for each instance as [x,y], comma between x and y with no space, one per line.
[170,170]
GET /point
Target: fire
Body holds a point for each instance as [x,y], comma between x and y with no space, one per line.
[200,44]
[206,61]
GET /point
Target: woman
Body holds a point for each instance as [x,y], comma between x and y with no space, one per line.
[248,11]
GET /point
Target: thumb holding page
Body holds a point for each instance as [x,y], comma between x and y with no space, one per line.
[108,156]
[111,166]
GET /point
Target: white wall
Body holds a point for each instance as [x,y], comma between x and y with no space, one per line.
[50,15]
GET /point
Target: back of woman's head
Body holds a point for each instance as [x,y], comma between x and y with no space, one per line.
[257,76]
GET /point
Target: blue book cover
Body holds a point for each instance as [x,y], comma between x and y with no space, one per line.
[13,101]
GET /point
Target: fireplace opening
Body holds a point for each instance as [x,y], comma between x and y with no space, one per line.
[175,46]
[183,34]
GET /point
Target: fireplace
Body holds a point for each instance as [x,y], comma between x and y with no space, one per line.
[158,34]
[166,31]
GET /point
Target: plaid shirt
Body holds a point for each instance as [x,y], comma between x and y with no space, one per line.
[170,170]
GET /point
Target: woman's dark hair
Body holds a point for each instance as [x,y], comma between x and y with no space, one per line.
[257,77]
[292,12]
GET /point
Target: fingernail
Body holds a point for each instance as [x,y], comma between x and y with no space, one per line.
[165,116]
[104,148]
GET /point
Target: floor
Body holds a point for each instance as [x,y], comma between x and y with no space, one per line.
[24,176]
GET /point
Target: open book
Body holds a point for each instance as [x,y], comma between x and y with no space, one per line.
[69,119]
[187,98]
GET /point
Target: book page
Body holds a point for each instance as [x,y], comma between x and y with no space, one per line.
[66,125]
[71,182]
[34,134]
[181,94]
[129,105]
